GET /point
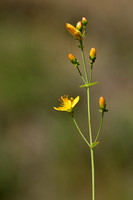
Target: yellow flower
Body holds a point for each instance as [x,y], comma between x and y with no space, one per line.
[76,33]
[67,104]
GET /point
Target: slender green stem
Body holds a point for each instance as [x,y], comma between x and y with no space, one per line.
[93,174]
[84,31]
[99,127]
[81,74]
[88,89]
[92,150]
[91,73]
[89,120]
[80,131]
[81,45]
[89,115]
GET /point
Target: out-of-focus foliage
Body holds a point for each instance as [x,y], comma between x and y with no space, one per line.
[41,153]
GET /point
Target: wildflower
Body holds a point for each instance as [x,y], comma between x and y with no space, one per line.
[76,33]
[67,104]
[84,21]
[102,103]
[79,26]
[92,55]
[73,59]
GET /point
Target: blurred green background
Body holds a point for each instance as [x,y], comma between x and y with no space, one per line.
[42,156]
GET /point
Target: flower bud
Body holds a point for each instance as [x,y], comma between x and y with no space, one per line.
[79,26]
[102,103]
[92,55]
[84,21]
[76,33]
[72,58]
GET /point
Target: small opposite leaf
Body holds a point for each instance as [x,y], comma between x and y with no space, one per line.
[89,84]
[100,110]
[103,110]
[94,144]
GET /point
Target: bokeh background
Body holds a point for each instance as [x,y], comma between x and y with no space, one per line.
[42,156]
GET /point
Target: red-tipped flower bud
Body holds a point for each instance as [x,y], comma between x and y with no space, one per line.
[76,33]
[84,21]
[92,55]
[79,26]
[102,103]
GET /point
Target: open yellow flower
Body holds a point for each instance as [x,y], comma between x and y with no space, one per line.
[67,104]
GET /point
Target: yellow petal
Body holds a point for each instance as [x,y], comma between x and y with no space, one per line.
[64,97]
[75,101]
[66,102]
[60,108]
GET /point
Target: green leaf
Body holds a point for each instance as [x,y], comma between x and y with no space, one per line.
[100,110]
[89,84]
[94,144]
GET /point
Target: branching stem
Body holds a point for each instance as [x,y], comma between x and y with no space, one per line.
[80,131]
[99,127]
